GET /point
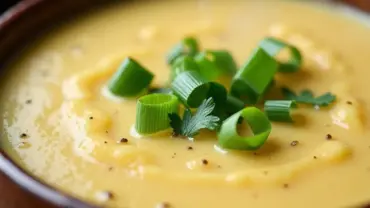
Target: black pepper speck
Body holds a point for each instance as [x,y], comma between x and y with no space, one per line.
[107,195]
[163,205]
[328,137]
[294,143]
[123,140]
[23,135]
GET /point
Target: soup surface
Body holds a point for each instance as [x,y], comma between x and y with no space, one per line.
[61,125]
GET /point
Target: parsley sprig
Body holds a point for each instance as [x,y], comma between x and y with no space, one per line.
[307,97]
[190,124]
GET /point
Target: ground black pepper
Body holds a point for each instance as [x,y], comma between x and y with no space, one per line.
[349,102]
[328,137]
[23,135]
[314,157]
[294,143]
[28,101]
[286,185]
[190,148]
[91,118]
[107,195]
[205,162]
[123,140]
[163,205]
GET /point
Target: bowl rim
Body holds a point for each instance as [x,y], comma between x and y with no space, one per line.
[33,184]
[11,169]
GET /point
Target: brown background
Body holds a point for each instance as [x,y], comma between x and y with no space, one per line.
[11,196]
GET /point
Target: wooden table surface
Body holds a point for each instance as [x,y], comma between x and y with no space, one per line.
[11,196]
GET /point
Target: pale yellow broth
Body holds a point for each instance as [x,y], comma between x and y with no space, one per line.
[54,93]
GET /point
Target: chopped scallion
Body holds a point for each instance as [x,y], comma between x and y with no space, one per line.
[188,46]
[273,46]
[152,112]
[233,105]
[130,79]
[254,78]
[191,88]
[181,64]
[159,90]
[259,124]
[279,110]
[214,63]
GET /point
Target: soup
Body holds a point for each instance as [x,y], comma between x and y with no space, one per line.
[62,125]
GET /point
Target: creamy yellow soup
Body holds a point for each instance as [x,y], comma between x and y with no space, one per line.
[63,126]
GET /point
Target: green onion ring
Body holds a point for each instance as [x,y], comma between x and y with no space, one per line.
[252,81]
[152,112]
[191,88]
[215,63]
[273,46]
[130,79]
[229,138]
[188,46]
[279,110]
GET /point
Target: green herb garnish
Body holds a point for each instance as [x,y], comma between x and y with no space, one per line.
[190,124]
[279,110]
[229,138]
[152,112]
[273,46]
[253,80]
[307,97]
[187,46]
[130,79]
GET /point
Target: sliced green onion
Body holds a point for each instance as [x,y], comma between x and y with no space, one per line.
[273,46]
[181,64]
[279,110]
[229,138]
[233,104]
[191,88]
[188,46]
[214,63]
[218,92]
[152,112]
[252,81]
[130,79]
[160,90]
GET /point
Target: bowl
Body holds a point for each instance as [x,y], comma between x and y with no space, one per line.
[19,25]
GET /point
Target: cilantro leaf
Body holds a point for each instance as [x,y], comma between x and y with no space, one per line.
[190,124]
[306,96]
